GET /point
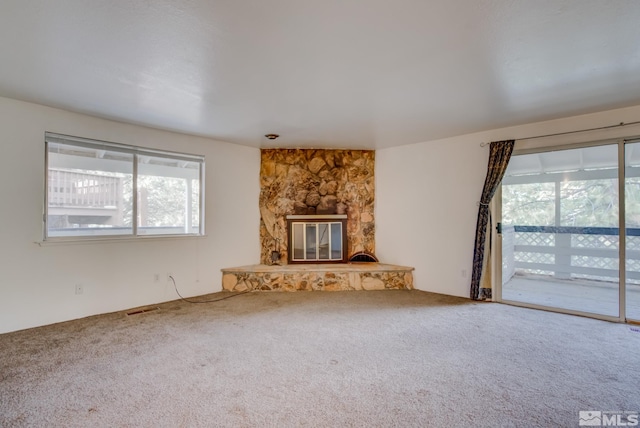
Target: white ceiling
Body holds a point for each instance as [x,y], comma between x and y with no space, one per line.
[323,73]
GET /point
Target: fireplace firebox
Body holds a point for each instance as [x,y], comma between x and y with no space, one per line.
[317,238]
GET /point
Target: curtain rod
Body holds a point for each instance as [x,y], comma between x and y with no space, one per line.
[618,125]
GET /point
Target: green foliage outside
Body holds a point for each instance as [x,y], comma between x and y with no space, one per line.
[162,201]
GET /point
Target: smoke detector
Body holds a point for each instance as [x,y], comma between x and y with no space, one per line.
[271,136]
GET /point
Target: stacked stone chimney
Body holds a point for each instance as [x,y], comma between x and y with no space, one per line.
[297,181]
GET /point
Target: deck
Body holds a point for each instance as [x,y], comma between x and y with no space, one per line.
[597,297]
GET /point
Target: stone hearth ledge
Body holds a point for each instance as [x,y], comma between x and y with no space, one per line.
[318,277]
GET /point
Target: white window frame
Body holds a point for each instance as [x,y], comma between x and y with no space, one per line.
[135,151]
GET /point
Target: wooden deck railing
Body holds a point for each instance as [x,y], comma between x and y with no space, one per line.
[74,189]
[569,252]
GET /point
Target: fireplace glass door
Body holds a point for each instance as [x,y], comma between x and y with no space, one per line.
[316,240]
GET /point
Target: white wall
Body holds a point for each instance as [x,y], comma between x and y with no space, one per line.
[37,283]
[427,194]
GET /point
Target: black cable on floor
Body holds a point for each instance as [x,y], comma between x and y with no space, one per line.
[204,301]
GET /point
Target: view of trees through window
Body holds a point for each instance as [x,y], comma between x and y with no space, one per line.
[582,203]
[162,201]
[90,190]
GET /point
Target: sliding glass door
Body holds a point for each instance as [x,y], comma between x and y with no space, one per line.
[563,246]
[560,215]
[632,226]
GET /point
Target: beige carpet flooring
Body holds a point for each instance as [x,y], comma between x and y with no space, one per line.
[320,359]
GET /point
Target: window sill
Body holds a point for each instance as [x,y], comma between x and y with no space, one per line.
[113,239]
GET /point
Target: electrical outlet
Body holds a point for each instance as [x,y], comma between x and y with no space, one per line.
[156,277]
[79,289]
[463,272]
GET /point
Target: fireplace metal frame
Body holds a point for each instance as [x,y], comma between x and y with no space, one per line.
[318,218]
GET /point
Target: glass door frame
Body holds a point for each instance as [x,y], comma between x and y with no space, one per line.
[496,250]
[316,219]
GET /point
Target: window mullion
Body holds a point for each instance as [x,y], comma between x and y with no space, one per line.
[134,197]
[201,207]
[188,209]
[622,233]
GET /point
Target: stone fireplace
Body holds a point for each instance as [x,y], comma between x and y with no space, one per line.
[316,211]
[297,182]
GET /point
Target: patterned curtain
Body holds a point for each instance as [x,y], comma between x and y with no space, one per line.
[500,153]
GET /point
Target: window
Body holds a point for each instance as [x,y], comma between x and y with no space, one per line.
[99,189]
